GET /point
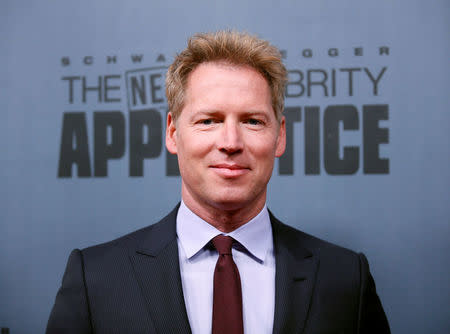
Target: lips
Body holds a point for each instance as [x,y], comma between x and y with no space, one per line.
[230,170]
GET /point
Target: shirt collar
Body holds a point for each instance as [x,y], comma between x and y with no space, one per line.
[194,233]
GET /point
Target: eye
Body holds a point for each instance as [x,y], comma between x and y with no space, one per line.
[254,121]
[208,121]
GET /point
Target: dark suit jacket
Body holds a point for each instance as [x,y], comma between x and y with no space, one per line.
[132,285]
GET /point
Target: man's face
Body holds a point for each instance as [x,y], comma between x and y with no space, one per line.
[226,137]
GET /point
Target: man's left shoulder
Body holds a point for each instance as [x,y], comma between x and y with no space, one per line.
[345,298]
[319,248]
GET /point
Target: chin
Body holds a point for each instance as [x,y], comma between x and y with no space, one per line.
[231,202]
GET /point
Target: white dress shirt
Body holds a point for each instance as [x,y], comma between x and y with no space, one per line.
[253,256]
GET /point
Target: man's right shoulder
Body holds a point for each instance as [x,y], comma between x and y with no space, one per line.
[155,235]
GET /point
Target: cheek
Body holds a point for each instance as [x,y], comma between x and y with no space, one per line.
[193,145]
[262,147]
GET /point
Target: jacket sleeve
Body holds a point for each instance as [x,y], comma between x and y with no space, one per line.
[70,313]
[372,318]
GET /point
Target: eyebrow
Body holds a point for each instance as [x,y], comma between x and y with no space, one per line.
[219,112]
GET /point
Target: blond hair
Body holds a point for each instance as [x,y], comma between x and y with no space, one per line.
[232,47]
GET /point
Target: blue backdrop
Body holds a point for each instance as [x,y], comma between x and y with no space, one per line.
[81,94]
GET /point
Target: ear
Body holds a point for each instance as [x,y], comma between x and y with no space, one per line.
[171,140]
[281,140]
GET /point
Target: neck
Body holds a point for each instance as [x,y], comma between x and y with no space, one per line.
[225,217]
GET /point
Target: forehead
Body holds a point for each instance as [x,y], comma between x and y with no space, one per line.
[213,80]
[222,68]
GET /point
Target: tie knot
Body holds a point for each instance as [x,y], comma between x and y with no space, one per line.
[223,244]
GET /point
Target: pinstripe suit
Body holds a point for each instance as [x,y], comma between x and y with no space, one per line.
[133,285]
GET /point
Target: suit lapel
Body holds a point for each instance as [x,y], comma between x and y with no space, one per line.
[294,281]
[156,265]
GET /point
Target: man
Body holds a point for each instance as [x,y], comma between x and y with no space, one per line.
[220,262]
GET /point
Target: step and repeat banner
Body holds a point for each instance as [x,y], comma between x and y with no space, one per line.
[82,126]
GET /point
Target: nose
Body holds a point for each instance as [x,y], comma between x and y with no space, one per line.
[230,138]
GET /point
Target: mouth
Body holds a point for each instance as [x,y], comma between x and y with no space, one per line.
[230,170]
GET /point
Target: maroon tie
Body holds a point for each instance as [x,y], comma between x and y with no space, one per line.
[227,305]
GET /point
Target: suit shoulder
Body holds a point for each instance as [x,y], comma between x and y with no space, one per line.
[312,243]
[346,266]
[129,242]
[120,242]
